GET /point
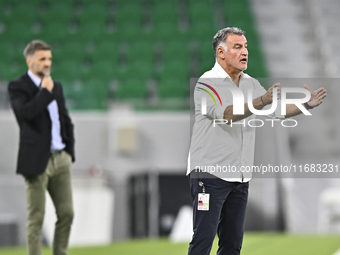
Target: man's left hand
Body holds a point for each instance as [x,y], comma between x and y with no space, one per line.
[317,96]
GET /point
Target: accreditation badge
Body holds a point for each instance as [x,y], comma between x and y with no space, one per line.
[203,202]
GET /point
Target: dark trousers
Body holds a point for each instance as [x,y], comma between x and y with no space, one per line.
[227,207]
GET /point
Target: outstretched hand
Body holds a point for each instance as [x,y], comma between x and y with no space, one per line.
[267,98]
[317,96]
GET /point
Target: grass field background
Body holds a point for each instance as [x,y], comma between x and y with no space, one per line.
[254,244]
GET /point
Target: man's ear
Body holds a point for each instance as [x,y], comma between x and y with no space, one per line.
[220,52]
[28,61]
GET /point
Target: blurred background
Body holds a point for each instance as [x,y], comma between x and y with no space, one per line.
[125,67]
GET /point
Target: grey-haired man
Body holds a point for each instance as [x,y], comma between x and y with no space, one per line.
[220,197]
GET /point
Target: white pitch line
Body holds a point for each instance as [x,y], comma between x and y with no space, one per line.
[337,252]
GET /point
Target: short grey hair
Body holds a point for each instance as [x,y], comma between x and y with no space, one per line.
[222,35]
[35,46]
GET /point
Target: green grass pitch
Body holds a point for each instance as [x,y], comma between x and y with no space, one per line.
[254,244]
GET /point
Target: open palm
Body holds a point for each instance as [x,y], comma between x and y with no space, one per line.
[317,96]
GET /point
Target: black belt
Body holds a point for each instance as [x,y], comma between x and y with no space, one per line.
[56,152]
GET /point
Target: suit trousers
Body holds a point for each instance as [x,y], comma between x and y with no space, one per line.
[57,181]
[226,215]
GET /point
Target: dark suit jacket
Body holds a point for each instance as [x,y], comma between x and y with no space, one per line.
[30,108]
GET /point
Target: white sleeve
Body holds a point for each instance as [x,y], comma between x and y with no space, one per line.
[206,100]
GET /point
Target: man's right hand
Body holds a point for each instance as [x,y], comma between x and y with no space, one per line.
[268,97]
[47,83]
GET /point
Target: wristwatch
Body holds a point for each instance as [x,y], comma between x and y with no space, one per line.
[307,106]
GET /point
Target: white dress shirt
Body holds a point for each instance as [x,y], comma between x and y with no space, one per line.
[56,142]
[222,149]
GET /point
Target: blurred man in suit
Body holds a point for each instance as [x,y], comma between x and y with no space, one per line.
[46,149]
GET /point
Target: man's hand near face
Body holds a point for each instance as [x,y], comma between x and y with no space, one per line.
[47,83]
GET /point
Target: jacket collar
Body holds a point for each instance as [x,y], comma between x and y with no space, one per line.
[34,78]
